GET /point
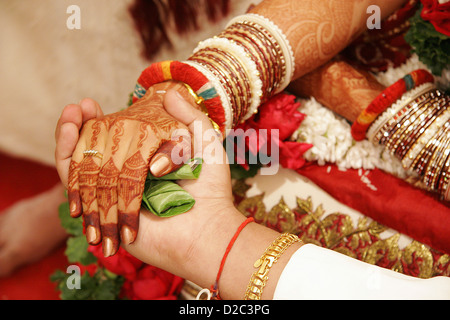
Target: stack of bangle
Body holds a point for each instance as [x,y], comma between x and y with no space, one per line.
[416,129]
[387,98]
[234,72]
[252,60]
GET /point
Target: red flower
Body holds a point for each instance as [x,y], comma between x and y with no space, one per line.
[122,263]
[152,283]
[438,14]
[279,113]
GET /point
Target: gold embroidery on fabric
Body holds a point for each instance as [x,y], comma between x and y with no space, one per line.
[336,231]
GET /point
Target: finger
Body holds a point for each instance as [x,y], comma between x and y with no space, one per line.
[117,145]
[205,137]
[132,182]
[66,136]
[172,154]
[67,132]
[90,109]
[73,188]
[207,144]
[95,133]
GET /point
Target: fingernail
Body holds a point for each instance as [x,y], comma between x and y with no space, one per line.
[91,235]
[107,247]
[160,166]
[73,208]
[179,95]
[127,235]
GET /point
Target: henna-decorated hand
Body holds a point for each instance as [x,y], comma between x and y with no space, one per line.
[340,87]
[107,187]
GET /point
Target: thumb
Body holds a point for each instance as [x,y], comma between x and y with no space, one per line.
[207,143]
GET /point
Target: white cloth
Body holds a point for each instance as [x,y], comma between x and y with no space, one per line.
[314,272]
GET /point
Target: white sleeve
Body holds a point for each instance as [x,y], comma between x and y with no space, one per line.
[318,273]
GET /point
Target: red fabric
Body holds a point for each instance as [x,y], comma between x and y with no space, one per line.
[30,282]
[395,203]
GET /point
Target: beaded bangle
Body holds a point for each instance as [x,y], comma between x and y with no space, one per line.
[264,264]
[387,98]
[179,71]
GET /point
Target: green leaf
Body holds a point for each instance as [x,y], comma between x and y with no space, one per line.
[77,251]
[96,287]
[431,46]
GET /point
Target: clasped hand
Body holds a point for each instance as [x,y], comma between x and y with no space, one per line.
[104,166]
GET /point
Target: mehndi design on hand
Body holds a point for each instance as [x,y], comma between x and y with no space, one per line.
[107,190]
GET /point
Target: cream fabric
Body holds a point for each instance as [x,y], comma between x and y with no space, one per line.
[317,273]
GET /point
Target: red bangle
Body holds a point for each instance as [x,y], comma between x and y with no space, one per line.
[179,71]
[215,288]
[387,98]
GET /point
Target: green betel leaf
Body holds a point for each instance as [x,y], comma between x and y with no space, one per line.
[77,251]
[164,197]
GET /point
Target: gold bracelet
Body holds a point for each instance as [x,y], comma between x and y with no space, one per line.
[268,259]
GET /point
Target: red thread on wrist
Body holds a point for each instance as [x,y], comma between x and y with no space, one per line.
[215,288]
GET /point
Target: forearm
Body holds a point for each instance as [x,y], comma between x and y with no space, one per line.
[238,268]
[197,257]
[318,30]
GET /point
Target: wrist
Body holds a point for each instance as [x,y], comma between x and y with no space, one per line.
[205,259]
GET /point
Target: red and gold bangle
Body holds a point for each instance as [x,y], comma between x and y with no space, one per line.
[179,71]
[386,99]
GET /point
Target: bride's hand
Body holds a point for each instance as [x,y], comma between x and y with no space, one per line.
[104,166]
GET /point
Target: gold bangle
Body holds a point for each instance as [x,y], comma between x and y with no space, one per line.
[268,259]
